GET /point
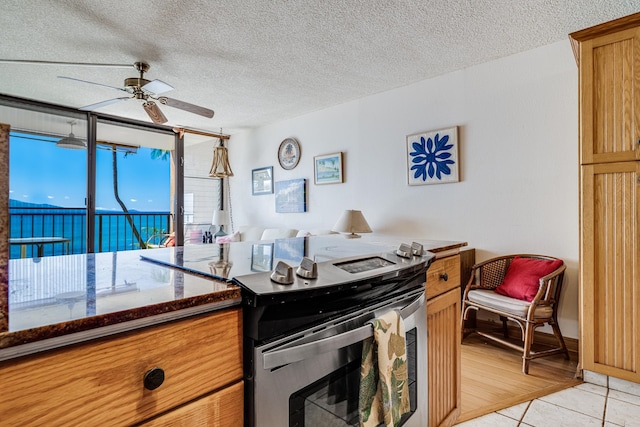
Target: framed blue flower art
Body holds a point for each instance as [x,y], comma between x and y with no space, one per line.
[432,157]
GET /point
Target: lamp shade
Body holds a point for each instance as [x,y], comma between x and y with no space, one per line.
[220,167]
[71,141]
[352,222]
[220,217]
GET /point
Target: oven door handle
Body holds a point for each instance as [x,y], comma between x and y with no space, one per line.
[275,358]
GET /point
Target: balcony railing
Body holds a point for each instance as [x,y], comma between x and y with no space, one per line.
[57,231]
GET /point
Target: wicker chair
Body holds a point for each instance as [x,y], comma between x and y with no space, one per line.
[480,294]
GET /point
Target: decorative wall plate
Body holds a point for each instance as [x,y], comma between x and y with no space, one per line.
[289,153]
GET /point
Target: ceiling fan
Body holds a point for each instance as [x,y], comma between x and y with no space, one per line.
[148,91]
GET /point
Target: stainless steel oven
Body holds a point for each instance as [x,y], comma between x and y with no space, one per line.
[303,342]
[312,378]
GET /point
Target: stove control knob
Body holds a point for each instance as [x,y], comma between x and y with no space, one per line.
[404,251]
[308,269]
[417,249]
[283,274]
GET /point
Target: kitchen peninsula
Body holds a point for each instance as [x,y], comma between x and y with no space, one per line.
[133,340]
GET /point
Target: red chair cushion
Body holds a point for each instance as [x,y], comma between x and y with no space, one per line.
[522,280]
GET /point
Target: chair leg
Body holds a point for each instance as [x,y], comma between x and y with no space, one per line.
[505,330]
[528,340]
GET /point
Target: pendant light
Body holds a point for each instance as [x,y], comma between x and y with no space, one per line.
[71,141]
[220,168]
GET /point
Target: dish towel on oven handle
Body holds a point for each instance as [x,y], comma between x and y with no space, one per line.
[384,388]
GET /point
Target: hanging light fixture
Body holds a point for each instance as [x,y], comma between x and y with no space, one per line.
[220,168]
[71,141]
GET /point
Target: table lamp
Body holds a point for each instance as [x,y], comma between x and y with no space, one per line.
[352,222]
[220,218]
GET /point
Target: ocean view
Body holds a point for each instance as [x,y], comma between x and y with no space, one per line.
[68,226]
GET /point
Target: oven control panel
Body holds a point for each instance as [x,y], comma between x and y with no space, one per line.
[327,276]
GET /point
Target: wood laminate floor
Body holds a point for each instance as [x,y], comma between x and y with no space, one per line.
[492,377]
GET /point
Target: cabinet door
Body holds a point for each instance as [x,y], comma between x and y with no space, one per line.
[221,409]
[443,329]
[610,97]
[610,269]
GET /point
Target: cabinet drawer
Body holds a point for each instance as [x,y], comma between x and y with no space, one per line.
[101,382]
[442,275]
[221,409]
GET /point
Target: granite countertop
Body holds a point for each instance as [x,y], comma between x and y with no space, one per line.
[72,298]
[61,300]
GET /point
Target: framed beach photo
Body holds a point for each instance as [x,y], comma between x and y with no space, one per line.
[328,169]
[262,181]
[432,157]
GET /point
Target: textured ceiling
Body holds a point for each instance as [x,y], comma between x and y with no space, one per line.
[255,61]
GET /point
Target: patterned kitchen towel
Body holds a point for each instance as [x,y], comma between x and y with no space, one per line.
[384,388]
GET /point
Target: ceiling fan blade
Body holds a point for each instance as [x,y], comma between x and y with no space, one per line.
[186,106]
[157,87]
[102,104]
[92,83]
[154,112]
[73,64]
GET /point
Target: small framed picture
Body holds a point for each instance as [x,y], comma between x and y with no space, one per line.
[432,157]
[262,181]
[328,169]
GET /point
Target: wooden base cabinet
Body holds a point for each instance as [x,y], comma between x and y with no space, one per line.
[221,409]
[443,345]
[194,363]
[608,57]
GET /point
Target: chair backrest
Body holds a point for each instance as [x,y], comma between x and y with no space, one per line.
[492,273]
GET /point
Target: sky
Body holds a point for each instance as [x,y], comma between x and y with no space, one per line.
[40,172]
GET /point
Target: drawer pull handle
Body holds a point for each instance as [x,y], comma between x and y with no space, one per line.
[444,276]
[153,378]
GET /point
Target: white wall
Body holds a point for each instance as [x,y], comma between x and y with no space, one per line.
[517,119]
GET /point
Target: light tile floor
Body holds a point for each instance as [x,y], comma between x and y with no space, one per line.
[599,403]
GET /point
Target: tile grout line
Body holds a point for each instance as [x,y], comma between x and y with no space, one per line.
[520,421]
[606,402]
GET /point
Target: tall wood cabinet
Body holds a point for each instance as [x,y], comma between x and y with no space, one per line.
[608,57]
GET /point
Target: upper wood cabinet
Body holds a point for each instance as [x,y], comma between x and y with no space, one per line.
[609,94]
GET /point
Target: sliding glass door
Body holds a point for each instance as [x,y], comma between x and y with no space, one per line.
[79,183]
[134,182]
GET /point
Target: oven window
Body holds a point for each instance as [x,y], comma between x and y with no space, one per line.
[333,400]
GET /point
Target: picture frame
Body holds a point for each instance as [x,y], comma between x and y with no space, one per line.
[328,169]
[291,196]
[289,153]
[262,257]
[262,181]
[432,157]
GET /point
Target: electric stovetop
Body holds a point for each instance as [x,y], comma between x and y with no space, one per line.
[340,262]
